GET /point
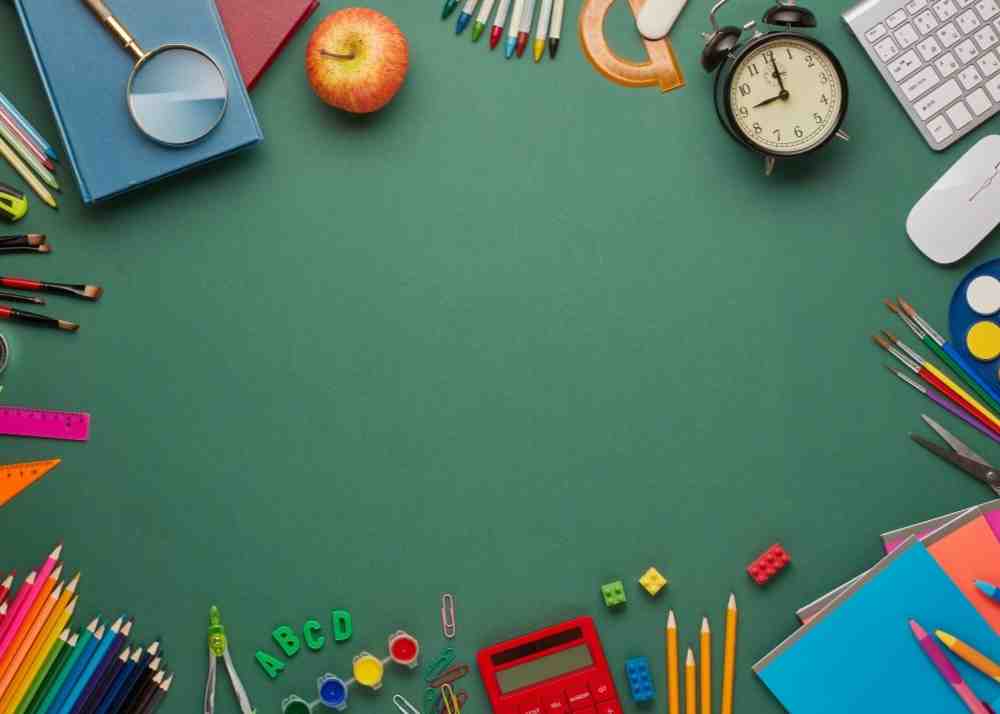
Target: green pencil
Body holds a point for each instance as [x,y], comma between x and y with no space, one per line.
[62,645]
[64,671]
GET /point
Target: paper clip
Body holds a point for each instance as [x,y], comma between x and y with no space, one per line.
[431,697]
[451,705]
[439,666]
[404,705]
[463,697]
[448,615]
[456,672]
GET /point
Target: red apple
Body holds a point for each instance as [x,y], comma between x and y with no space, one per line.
[357,60]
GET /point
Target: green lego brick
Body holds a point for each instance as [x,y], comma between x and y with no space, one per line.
[613,593]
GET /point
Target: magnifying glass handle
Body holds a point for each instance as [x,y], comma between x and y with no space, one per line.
[117,29]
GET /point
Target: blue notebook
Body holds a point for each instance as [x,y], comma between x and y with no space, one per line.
[859,655]
[84,71]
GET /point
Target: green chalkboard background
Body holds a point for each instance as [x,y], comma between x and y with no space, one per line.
[523,332]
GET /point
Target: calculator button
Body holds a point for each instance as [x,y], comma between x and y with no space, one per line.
[876,33]
[945,10]
[959,115]
[896,19]
[939,128]
[579,697]
[554,704]
[530,705]
[937,100]
[979,102]
[946,64]
[967,51]
[925,22]
[906,36]
[610,707]
[987,9]
[601,687]
[915,6]
[928,49]
[948,34]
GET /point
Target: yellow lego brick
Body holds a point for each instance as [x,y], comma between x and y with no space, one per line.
[652,581]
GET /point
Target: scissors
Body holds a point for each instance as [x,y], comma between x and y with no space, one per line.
[959,455]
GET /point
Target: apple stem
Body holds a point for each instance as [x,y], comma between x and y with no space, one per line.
[337,55]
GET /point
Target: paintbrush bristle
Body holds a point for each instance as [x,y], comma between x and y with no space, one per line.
[43,248]
[68,326]
[892,338]
[92,291]
[35,238]
[907,307]
[891,305]
[881,342]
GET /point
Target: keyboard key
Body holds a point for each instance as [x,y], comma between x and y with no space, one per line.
[993,87]
[928,48]
[969,21]
[939,128]
[925,21]
[906,36]
[970,77]
[987,9]
[887,49]
[985,37]
[923,81]
[959,115]
[945,9]
[967,51]
[946,64]
[948,35]
[876,33]
[979,102]
[937,100]
[904,66]
[896,19]
[915,6]
[988,64]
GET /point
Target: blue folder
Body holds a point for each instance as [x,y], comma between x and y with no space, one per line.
[84,71]
[859,655]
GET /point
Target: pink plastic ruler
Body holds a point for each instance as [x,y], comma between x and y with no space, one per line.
[19,421]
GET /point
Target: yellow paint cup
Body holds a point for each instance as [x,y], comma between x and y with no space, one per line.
[368,670]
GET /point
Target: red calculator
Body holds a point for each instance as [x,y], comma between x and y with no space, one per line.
[556,670]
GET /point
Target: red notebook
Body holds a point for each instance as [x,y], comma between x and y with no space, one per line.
[259,29]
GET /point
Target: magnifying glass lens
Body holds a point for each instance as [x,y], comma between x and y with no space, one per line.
[177,95]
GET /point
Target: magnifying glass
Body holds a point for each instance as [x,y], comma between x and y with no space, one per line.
[176,94]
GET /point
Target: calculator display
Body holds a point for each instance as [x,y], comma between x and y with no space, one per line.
[538,670]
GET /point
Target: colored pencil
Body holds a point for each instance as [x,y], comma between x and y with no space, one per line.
[149,663]
[57,655]
[53,688]
[28,128]
[97,677]
[26,140]
[124,672]
[23,151]
[556,28]
[158,695]
[935,396]
[690,685]
[5,586]
[921,367]
[958,364]
[3,611]
[44,643]
[706,667]
[513,27]
[139,686]
[28,626]
[69,683]
[974,657]
[97,660]
[524,31]
[465,17]
[87,292]
[96,696]
[989,589]
[482,19]
[673,695]
[34,318]
[729,656]
[23,593]
[143,696]
[498,22]
[542,29]
[25,173]
[947,670]
[44,631]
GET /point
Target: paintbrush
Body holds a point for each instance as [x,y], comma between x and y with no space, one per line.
[44,248]
[33,318]
[87,292]
[942,401]
[14,297]
[27,240]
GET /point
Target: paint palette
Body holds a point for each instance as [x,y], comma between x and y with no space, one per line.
[974,321]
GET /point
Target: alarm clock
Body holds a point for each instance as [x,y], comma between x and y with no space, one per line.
[782,93]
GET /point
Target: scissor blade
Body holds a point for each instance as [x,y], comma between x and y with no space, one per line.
[975,469]
[953,441]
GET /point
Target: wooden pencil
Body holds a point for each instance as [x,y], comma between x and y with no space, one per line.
[3,611]
[53,661]
[143,684]
[148,690]
[158,695]
[5,586]
[23,593]
[98,678]
[47,698]
[22,169]
[98,661]
[106,680]
[131,689]
[673,695]
[15,654]
[706,667]
[729,656]
[690,684]
[130,673]
[28,157]
[79,666]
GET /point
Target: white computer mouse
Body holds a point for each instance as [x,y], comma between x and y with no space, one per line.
[962,208]
[657,17]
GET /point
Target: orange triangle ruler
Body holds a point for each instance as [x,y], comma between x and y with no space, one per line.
[14,478]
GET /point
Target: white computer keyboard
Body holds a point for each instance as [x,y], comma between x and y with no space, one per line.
[941,58]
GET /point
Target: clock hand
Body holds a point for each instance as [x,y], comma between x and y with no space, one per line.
[777,76]
[782,95]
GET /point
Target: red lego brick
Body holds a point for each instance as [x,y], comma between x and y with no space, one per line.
[768,564]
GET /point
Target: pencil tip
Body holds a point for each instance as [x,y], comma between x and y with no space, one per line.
[704,625]
[671,620]
[689,660]
[54,555]
[56,573]
[732,601]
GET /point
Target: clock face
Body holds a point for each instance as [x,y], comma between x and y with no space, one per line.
[786,95]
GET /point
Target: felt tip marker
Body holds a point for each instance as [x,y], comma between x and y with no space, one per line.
[449,7]
[482,19]
[524,28]
[465,17]
[497,32]
[515,23]
[989,589]
[542,30]
[555,28]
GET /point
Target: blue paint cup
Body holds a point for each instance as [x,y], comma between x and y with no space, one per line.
[332,691]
